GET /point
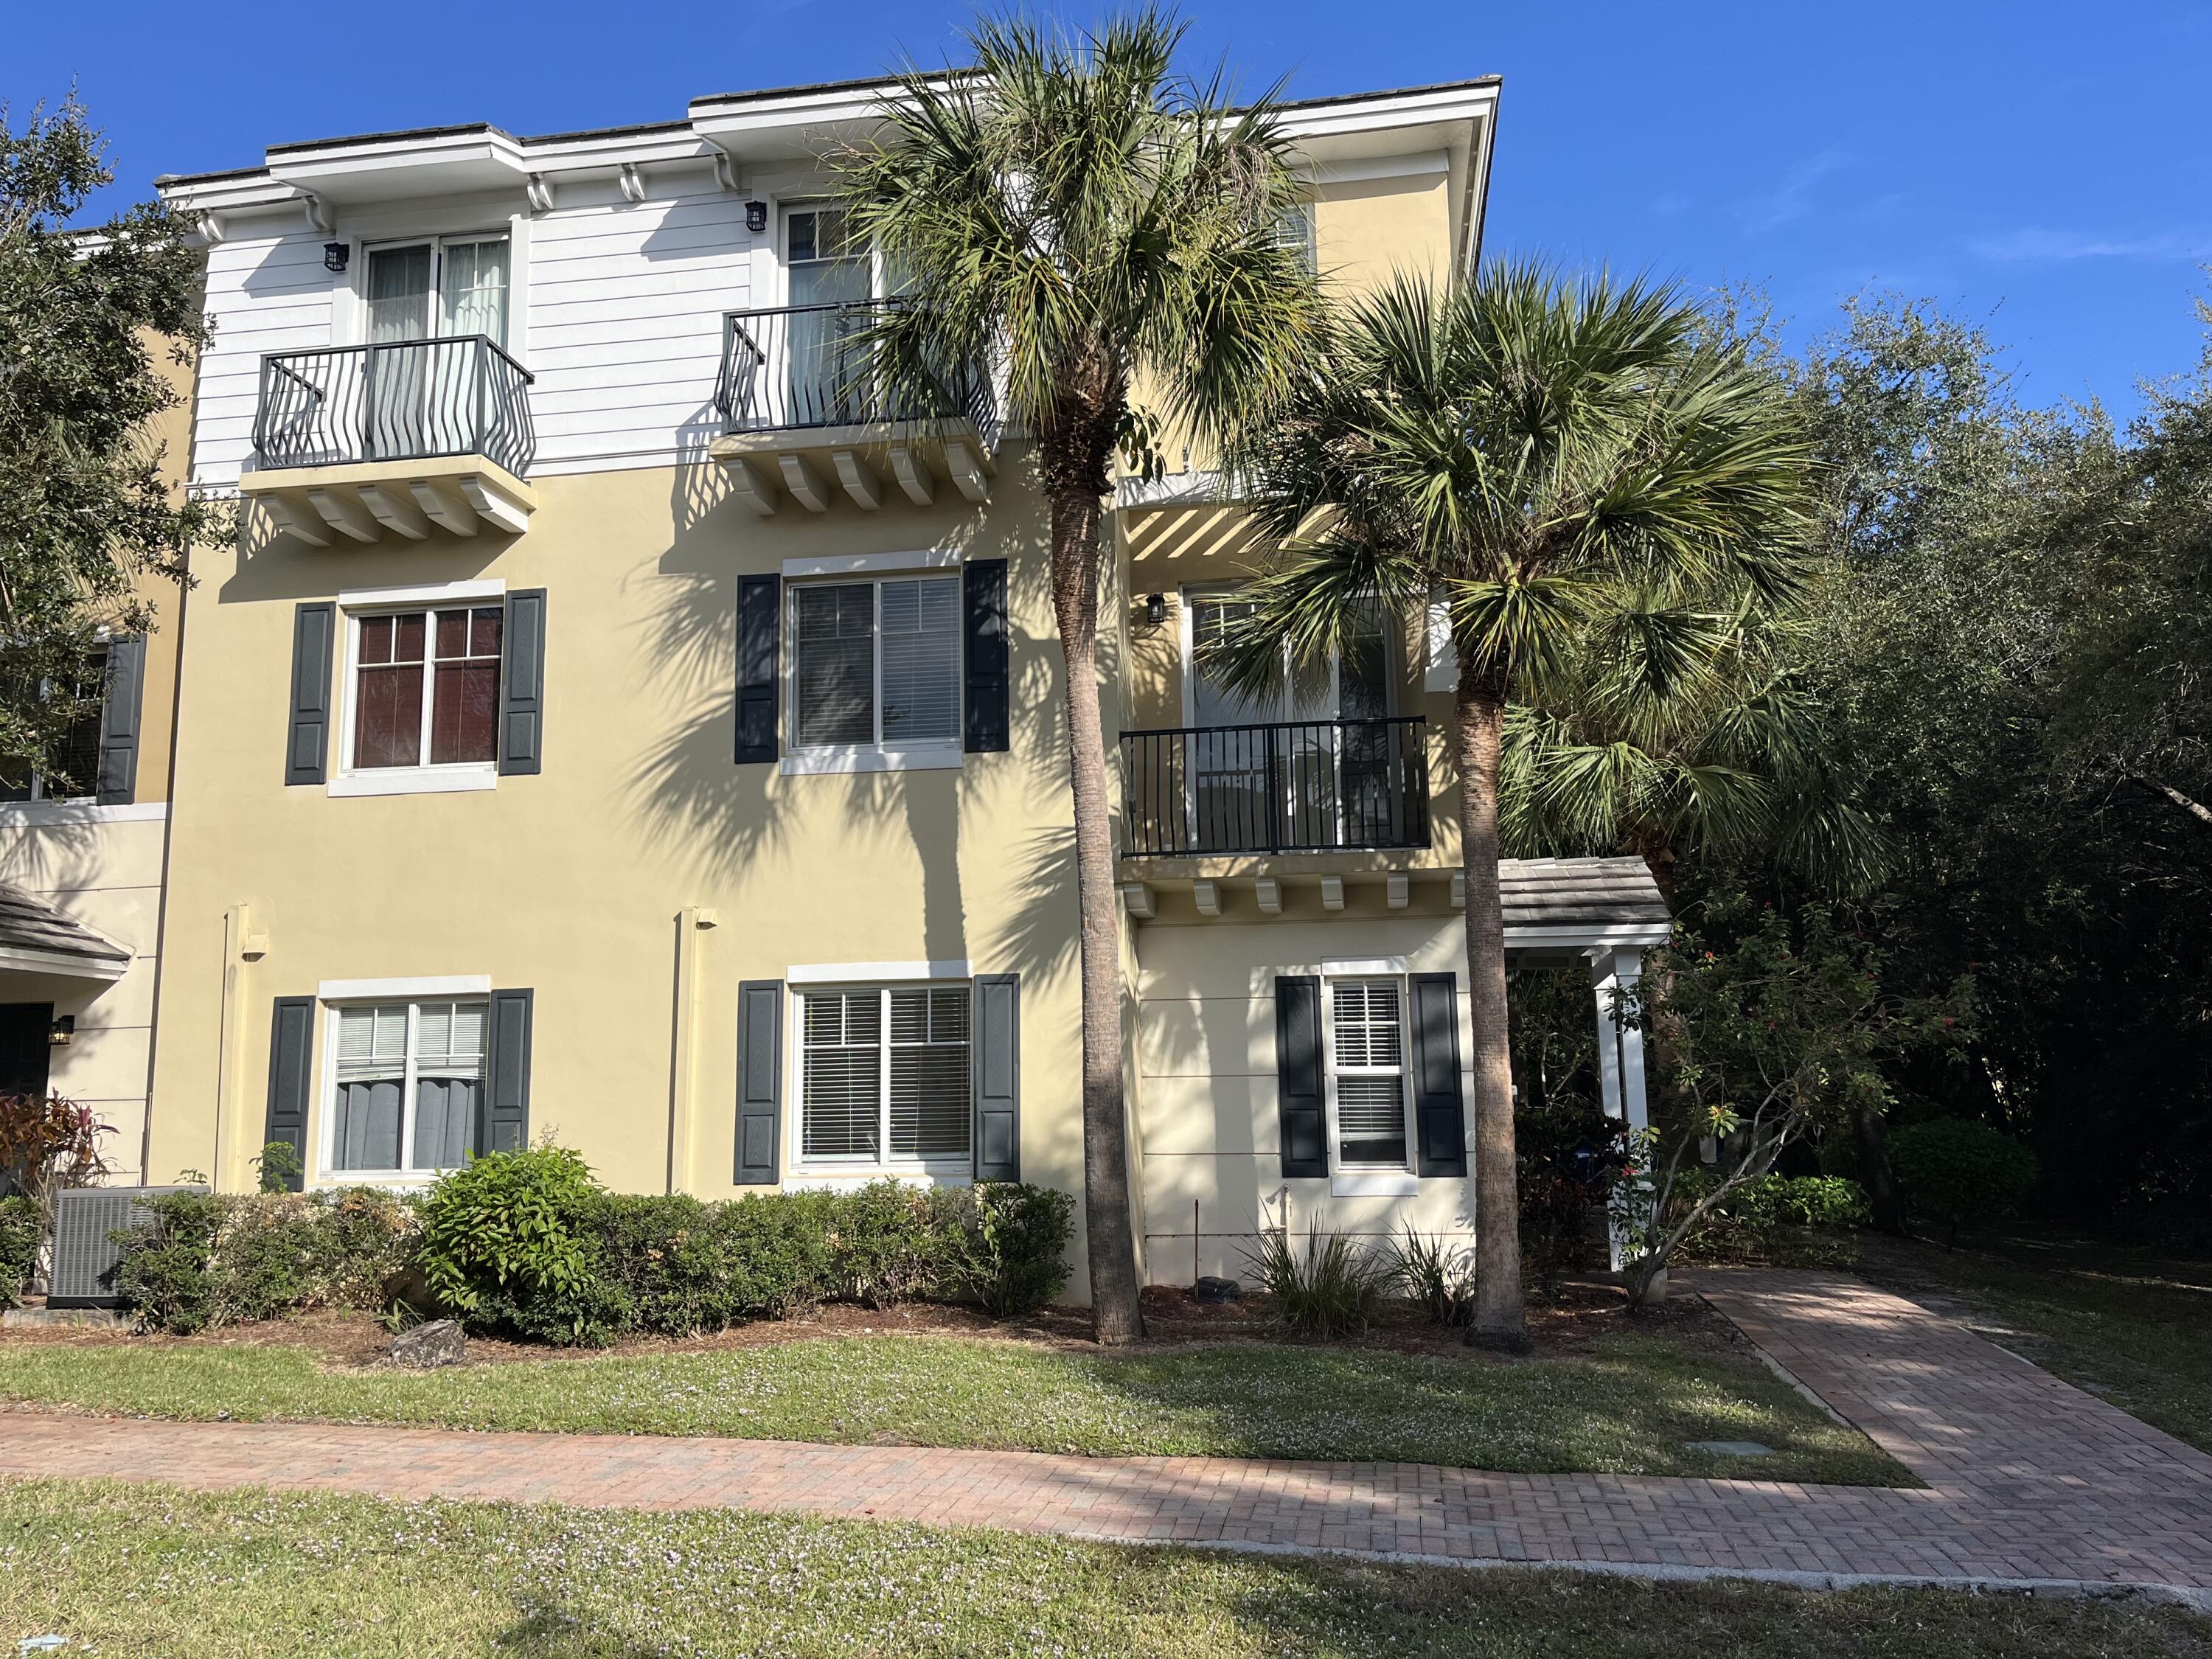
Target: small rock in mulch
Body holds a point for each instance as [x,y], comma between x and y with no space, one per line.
[426,1347]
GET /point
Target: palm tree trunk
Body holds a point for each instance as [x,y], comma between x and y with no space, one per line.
[1501,1319]
[1107,1235]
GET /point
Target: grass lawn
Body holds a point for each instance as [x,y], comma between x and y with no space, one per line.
[1626,1407]
[2130,1326]
[156,1572]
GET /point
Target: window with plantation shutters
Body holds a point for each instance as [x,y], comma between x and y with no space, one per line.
[876,664]
[1367,1073]
[410,1086]
[884,1075]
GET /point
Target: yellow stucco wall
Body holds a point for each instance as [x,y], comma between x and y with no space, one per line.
[572,881]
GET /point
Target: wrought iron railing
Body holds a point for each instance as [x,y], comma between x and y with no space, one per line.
[799,367]
[1305,786]
[405,401]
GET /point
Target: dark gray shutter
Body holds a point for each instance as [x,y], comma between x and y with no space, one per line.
[983,583]
[507,1074]
[760,624]
[1439,1121]
[522,683]
[120,706]
[314,631]
[760,1080]
[1300,1096]
[996,1030]
[291,1076]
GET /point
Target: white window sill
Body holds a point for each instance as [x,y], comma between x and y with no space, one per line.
[416,780]
[818,1176]
[800,762]
[392,1181]
[1380,1183]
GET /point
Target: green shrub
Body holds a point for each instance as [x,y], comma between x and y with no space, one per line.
[1332,1289]
[19,1248]
[1440,1278]
[1960,1173]
[506,1246]
[208,1260]
[1009,1245]
[528,1244]
[1800,1221]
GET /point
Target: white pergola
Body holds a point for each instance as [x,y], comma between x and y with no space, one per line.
[1600,913]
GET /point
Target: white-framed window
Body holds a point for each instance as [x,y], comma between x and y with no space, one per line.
[1370,1112]
[875,666]
[76,756]
[438,287]
[883,1076]
[422,689]
[1294,229]
[406,1086]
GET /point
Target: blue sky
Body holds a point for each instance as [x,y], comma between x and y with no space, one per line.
[2044,167]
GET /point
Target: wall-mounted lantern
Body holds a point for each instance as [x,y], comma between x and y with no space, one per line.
[757,217]
[62,1031]
[334,255]
[1156,608]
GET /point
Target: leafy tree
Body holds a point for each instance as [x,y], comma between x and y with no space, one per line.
[1781,1033]
[1549,457]
[84,511]
[1076,210]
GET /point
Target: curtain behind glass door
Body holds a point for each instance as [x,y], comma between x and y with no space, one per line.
[396,391]
[826,269]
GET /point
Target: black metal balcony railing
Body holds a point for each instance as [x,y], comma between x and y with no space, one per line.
[814,366]
[1311,786]
[406,401]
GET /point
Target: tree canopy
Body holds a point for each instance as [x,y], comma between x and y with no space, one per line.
[85,312]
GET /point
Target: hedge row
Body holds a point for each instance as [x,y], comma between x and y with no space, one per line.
[527,1245]
[1801,1221]
[19,1248]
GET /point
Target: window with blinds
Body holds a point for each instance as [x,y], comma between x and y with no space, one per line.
[425,685]
[884,1074]
[410,1083]
[1367,1073]
[876,663]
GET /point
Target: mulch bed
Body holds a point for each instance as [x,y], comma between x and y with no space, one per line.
[1585,1311]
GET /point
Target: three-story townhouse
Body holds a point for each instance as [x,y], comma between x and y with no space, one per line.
[620,723]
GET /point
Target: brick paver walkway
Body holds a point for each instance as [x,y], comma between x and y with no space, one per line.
[2030,1480]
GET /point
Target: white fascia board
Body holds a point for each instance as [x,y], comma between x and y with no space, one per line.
[105,970]
[1343,117]
[613,149]
[1359,170]
[243,195]
[428,985]
[1584,938]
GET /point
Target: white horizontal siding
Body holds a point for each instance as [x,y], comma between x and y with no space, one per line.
[621,324]
[626,307]
[264,293]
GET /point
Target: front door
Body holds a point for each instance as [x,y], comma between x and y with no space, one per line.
[26,1046]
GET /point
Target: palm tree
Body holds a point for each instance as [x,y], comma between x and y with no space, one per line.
[1528,451]
[1074,209]
[1678,723]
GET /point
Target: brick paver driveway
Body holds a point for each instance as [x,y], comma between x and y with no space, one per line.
[2029,1480]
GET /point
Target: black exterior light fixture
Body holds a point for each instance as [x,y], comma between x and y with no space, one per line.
[62,1031]
[757,217]
[1156,608]
[334,255]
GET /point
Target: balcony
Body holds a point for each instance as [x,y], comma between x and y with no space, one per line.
[1306,787]
[804,411]
[405,437]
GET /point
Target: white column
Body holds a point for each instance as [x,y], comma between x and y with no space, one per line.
[1628,970]
[1620,1048]
[1602,985]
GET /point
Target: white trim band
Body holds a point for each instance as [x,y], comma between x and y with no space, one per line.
[429,985]
[481,587]
[414,780]
[1351,965]
[862,564]
[839,973]
[37,814]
